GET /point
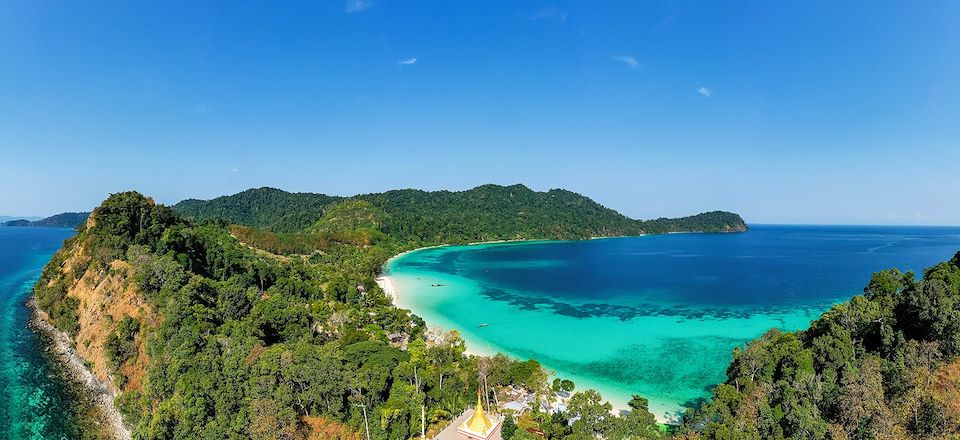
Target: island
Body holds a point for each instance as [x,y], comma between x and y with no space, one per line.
[258,315]
[62,220]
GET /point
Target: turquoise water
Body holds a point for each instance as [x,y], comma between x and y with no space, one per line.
[35,400]
[657,315]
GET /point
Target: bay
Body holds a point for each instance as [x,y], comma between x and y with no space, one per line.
[658,315]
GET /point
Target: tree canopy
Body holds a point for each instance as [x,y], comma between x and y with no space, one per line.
[882,365]
[250,344]
[484,213]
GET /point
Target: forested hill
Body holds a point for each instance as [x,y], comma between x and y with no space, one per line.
[264,208]
[63,220]
[488,212]
[201,337]
[884,365]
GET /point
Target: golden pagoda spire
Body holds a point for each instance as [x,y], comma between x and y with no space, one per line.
[478,422]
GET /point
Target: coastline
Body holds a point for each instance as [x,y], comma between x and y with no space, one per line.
[390,288]
[59,346]
[615,397]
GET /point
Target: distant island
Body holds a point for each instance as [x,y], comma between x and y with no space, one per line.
[62,220]
[6,218]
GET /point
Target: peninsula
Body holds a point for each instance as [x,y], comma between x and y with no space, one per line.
[258,315]
[276,291]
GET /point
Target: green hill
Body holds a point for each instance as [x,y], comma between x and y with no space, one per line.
[264,208]
[885,364]
[484,213]
[349,215]
[62,220]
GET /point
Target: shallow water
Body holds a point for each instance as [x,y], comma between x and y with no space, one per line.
[657,315]
[36,401]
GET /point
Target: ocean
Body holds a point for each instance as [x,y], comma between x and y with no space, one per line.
[36,399]
[655,315]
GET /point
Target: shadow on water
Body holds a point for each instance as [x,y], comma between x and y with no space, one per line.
[626,313]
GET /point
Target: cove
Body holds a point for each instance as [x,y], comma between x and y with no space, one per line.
[657,315]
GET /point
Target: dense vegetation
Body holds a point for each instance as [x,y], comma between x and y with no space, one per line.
[263,208]
[485,213]
[62,220]
[883,365]
[253,345]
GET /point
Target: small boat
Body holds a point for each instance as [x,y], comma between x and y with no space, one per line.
[483,325]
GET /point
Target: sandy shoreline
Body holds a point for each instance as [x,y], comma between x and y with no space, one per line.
[60,347]
[387,286]
[391,289]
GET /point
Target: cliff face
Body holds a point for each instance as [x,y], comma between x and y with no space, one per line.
[738,227]
[103,297]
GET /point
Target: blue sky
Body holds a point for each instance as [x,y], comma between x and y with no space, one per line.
[786,112]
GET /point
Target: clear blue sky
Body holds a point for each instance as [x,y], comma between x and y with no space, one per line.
[783,111]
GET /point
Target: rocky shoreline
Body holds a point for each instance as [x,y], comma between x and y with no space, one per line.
[59,345]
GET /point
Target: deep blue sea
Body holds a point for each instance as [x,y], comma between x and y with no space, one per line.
[36,401]
[655,315]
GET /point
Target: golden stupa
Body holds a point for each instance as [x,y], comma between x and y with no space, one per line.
[478,426]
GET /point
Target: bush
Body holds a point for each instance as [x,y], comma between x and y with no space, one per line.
[120,345]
